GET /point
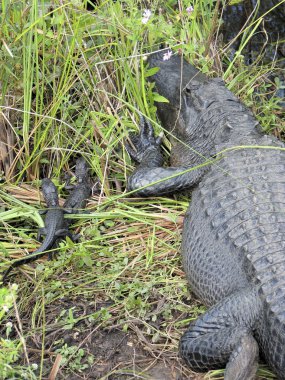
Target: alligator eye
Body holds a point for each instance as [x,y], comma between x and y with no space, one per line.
[193,85]
[187,90]
[190,88]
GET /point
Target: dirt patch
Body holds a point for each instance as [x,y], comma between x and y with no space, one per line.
[121,356]
[89,351]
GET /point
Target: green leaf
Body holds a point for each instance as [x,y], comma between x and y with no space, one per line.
[159,98]
[151,71]
[233,2]
[87,261]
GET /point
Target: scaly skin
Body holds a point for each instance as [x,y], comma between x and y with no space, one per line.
[77,199]
[234,230]
[55,226]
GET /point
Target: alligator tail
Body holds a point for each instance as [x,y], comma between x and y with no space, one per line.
[41,251]
[270,332]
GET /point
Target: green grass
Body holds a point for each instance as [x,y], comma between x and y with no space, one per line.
[74,82]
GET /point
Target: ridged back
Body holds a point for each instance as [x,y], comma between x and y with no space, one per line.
[242,200]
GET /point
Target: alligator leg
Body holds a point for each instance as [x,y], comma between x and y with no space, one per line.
[223,337]
[62,233]
[150,178]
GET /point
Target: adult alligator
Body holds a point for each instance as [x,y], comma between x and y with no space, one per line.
[56,226]
[234,230]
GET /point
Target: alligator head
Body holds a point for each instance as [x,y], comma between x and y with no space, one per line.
[184,87]
[81,170]
[198,112]
[175,80]
[49,192]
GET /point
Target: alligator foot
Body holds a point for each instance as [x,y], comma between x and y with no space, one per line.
[150,177]
[67,181]
[143,142]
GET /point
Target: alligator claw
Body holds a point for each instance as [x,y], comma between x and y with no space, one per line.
[143,141]
[130,150]
[146,129]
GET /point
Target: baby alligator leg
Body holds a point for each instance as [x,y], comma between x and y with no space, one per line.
[223,337]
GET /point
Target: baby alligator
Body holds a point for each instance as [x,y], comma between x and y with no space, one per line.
[78,197]
[55,226]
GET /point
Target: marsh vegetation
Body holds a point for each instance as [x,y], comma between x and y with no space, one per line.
[73,82]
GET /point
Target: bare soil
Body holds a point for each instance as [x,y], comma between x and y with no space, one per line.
[116,355]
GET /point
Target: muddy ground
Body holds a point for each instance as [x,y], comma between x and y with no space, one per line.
[115,354]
